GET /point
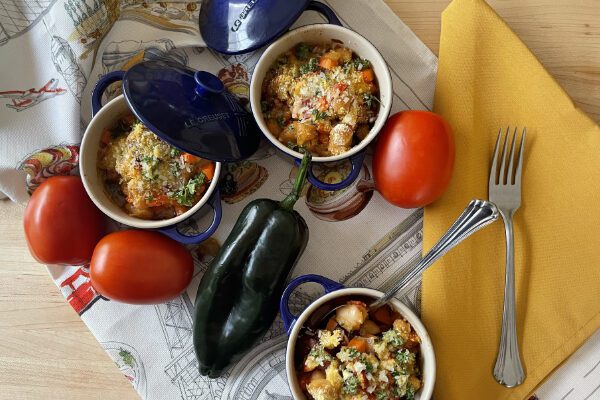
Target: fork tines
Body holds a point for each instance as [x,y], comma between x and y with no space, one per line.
[510,176]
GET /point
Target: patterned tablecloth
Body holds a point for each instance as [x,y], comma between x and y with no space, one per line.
[44,108]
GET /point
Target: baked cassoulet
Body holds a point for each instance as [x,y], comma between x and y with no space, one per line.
[360,355]
[147,177]
[322,97]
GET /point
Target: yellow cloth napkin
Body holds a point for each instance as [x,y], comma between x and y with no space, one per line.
[488,79]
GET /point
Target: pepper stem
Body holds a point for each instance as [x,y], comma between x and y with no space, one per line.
[292,198]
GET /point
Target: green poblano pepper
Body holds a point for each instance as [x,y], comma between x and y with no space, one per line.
[238,297]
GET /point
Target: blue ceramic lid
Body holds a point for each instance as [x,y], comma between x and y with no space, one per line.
[190,110]
[239,26]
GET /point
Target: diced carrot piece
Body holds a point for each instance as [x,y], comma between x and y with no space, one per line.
[190,159]
[209,170]
[327,63]
[331,324]
[105,138]
[368,75]
[383,315]
[359,344]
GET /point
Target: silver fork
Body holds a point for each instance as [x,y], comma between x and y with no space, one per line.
[505,192]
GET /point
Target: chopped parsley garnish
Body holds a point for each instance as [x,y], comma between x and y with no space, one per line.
[410,393]
[175,168]
[319,114]
[174,152]
[404,357]
[381,395]
[148,167]
[369,367]
[185,195]
[361,64]
[319,355]
[281,122]
[351,385]
[302,51]
[311,66]
[391,337]
[347,353]
[352,352]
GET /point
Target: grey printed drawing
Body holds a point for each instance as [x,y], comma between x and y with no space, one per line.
[124,54]
[260,375]
[390,258]
[19,16]
[183,373]
[66,64]
[176,323]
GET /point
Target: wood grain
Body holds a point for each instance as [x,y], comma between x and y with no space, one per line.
[563,34]
[47,352]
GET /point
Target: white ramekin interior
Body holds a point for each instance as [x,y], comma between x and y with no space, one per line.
[321,33]
[92,181]
[427,354]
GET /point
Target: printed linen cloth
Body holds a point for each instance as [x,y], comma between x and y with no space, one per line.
[51,54]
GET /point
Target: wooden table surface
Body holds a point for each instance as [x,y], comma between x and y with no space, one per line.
[45,349]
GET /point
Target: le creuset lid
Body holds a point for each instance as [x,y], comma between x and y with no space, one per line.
[240,26]
[191,110]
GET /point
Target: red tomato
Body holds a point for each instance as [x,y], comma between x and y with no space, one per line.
[140,267]
[62,224]
[413,159]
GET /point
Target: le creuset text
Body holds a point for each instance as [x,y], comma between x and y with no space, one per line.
[238,22]
[198,121]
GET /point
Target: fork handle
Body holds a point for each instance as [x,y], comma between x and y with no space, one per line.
[478,214]
[508,370]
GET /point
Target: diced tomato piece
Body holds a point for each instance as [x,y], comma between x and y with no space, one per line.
[341,86]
